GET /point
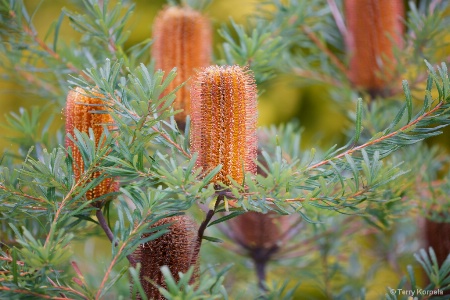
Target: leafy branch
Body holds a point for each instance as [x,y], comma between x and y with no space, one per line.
[439,278]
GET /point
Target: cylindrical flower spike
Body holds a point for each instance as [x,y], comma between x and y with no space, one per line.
[182,39]
[175,249]
[79,115]
[374,28]
[224,116]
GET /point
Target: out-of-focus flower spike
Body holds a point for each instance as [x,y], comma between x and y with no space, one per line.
[182,39]
[375,27]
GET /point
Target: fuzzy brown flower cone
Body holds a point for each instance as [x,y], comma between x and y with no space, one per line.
[438,237]
[374,28]
[175,249]
[224,121]
[79,115]
[255,230]
[182,39]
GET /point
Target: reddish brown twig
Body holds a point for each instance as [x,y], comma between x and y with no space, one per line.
[380,139]
[334,59]
[52,53]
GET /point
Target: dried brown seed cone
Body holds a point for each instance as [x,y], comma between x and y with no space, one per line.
[438,237]
[374,28]
[175,249]
[79,115]
[224,118]
[182,39]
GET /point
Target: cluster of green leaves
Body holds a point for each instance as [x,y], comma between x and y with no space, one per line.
[103,27]
[23,54]
[43,69]
[306,29]
[30,133]
[259,50]
[426,22]
[147,146]
[439,279]
[209,288]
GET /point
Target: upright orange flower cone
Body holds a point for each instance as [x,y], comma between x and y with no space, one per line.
[224,121]
[182,39]
[79,115]
[175,249]
[374,28]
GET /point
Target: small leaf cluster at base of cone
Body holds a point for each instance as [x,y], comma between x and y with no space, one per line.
[174,249]
[223,124]
[375,27]
[80,114]
[182,39]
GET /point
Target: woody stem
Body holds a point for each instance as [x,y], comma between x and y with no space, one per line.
[202,228]
[104,225]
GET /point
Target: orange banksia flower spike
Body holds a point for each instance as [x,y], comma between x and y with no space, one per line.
[224,116]
[375,27]
[182,39]
[79,115]
[175,249]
